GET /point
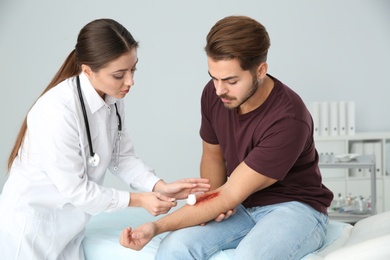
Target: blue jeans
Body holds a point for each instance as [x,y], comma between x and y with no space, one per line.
[284,231]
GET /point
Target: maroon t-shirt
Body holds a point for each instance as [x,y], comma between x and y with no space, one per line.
[275,140]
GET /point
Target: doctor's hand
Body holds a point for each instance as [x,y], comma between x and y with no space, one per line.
[136,239]
[180,189]
[154,202]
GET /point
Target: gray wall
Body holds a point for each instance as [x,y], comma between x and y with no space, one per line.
[325,50]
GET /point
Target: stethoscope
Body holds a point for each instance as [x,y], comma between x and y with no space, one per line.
[93,158]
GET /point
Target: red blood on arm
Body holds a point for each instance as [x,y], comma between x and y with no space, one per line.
[206,197]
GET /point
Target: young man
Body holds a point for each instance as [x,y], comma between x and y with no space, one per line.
[260,158]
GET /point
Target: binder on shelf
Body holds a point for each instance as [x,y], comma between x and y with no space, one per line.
[356,147]
[368,148]
[378,158]
[314,109]
[387,159]
[351,118]
[333,119]
[342,109]
[324,118]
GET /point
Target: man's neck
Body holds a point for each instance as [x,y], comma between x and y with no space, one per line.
[261,95]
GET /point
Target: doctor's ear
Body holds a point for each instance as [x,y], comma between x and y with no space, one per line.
[87,70]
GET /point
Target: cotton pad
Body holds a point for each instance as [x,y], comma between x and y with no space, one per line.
[191,200]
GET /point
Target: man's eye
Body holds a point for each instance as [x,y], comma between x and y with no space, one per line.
[232,82]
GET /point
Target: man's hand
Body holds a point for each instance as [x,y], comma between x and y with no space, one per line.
[136,239]
[223,216]
[226,215]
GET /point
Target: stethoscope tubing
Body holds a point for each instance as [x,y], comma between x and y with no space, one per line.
[94,158]
[85,118]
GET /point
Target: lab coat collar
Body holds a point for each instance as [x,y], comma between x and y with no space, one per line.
[94,101]
[110,100]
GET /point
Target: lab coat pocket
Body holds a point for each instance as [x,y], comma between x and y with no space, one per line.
[30,237]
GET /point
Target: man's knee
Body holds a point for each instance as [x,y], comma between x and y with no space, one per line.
[175,245]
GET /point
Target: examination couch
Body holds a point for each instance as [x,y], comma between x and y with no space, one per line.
[369,238]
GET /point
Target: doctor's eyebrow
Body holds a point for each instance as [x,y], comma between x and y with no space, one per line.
[135,64]
[122,70]
[224,79]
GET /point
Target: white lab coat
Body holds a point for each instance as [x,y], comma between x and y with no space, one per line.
[51,191]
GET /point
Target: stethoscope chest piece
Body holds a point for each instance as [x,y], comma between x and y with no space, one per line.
[94,160]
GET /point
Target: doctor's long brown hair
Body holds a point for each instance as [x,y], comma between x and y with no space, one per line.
[98,43]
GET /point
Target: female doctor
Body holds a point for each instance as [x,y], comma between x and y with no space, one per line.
[73,133]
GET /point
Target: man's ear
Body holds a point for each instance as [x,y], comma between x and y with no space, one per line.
[87,70]
[262,70]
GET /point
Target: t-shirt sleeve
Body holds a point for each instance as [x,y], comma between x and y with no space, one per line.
[278,150]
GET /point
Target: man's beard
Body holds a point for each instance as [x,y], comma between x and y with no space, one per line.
[251,92]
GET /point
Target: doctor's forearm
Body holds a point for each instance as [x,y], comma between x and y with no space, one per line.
[135,200]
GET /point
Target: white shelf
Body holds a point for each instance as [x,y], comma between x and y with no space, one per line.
[347,217]
[357,180]
[362,161]
[358,136]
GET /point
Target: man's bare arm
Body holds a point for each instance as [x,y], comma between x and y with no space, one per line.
[242,183]
[212,165]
